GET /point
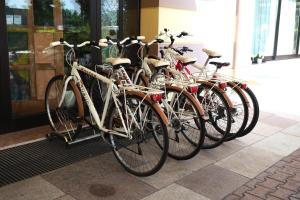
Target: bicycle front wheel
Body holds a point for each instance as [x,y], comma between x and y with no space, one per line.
[186,129]
[64,118]
[142,155]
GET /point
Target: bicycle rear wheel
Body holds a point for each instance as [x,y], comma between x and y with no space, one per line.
[239,112]
[64,119]
[217,109]
[253,111]
[142,155]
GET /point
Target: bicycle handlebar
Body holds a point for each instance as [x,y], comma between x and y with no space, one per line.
[61,42]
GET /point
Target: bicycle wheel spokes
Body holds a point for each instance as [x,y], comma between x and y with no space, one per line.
[143,154]
[218,112]
[185,132]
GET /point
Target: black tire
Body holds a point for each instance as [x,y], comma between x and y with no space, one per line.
[122,147]
[186,130]
[219,114]
[253,112]
[239,112]
[67,118]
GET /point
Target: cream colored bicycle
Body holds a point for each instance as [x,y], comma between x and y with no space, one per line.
[127,114]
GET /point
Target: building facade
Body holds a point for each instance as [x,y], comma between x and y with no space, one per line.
[239,29]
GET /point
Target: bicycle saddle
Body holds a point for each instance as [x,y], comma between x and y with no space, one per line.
[211,54]
[158,63]
[219,65]
[118,61]
[186,60]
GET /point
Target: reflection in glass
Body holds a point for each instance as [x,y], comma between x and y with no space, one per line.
[43,12]
[109,18]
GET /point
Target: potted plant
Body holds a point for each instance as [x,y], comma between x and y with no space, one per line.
[258,59]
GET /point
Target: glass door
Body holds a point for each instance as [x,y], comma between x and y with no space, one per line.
[264,27]
[288,28]
[31,26]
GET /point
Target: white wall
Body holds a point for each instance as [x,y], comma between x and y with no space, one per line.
[211,22]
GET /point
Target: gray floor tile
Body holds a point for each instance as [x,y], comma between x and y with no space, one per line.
[66,197]
[292,130]
[280,144]
[99,177]
[175,192]
[265,129]
[213,181]
[278,121]
[249,161]
[223,151]
[174,170]
[35,188]
[248,139]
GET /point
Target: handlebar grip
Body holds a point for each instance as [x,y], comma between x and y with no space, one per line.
[102,40]
[102,44]
[54,44]
[140,37]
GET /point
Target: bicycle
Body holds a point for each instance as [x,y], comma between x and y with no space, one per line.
[128,112]
[215,103]
[186,127]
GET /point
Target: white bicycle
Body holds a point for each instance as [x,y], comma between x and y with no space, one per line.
[127,114]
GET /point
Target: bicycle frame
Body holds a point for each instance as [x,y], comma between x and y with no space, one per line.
[99,122]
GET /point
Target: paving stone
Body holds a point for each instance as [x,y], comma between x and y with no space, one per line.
[289,170]
[297,195]
[272,198]
[265,129]
[35,188]
[289,159]
[99,177]
[270,183]
[262,176]
[253,182]
[250,197]
[66,197]
[280,122]
[295,164]
[282,193]
[272,169]
[296,177]
[232,197]
[280,164]
[175,191]
[292,185]
[280,176]
[174,170]
[260,191]
[213,182]
[279,143]
[242,162]
[241,190]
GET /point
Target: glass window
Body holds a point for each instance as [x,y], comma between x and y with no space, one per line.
[264,27]
[288,27]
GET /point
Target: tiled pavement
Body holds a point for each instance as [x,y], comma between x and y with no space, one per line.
[212,174]
[252,167]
